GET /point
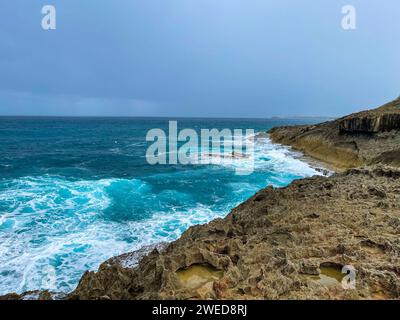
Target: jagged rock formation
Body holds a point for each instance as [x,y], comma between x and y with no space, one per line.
[282,243]
[365,138]
[385,118]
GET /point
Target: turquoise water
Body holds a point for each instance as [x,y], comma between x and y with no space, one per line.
[77,191]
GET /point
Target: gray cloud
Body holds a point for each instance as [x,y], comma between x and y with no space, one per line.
[229,58]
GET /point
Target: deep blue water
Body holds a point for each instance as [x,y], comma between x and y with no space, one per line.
[76,191]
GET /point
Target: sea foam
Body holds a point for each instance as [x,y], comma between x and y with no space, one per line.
[54,228]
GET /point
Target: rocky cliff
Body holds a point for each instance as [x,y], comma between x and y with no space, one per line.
[364,138]
[383,119]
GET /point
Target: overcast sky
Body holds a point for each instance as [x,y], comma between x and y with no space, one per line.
[216,58]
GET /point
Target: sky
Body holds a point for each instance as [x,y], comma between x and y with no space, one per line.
[197,58]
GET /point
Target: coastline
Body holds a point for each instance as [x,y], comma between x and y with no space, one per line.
[318,165]
[132,258]
[325,168]
[291,242]
[366,138]
[282,243]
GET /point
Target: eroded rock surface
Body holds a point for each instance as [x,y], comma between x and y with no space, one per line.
[385,118]
[365,138]
[281,243]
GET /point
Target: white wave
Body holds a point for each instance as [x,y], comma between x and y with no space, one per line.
[266,156]
[58,231]
[54,229]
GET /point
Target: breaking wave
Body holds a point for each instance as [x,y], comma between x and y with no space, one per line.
[54,228]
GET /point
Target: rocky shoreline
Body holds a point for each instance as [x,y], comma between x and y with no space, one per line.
[280,244]
[361,139]
[285,243]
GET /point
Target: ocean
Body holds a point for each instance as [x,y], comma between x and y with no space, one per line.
[77,191]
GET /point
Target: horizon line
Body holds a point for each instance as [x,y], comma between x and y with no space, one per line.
[169,117]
